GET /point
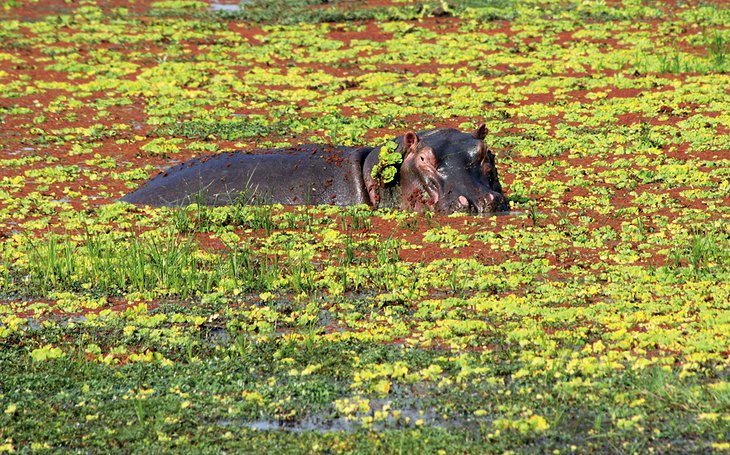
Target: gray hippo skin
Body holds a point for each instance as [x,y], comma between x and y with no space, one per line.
[444,170]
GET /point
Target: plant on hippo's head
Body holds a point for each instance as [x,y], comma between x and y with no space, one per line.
[387,166]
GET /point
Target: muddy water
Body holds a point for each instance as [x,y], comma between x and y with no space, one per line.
[410,417]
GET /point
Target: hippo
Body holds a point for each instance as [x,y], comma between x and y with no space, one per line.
[444,170]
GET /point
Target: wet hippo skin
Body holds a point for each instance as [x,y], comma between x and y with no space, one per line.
[444,170]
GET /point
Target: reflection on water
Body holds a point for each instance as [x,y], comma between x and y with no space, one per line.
[224,7]
[323,423]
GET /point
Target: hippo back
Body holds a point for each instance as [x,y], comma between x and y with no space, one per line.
[307,174]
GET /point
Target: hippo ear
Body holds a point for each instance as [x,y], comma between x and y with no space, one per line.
[409,142]
[481,132]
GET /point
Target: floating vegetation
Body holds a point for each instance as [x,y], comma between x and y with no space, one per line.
[593,317]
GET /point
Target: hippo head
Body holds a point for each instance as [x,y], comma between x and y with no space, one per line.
[446,170]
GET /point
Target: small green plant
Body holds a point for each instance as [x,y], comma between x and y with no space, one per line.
[387,252]
[356,218]
[389,160]
[532,212]
[705,252]
[349,252]
[671,62]
[718,48]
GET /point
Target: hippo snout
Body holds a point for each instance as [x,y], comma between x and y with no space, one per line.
[489,202]
[498,202]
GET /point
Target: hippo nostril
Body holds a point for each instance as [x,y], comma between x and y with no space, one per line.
[464,204]
[487,202]
[494,202]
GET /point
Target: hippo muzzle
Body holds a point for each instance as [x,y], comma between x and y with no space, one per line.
[486,202]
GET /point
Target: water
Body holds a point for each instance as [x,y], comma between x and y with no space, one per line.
[218,7]
[219,336]
[312,424]
[322,423]
[228,8]
[23,150]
